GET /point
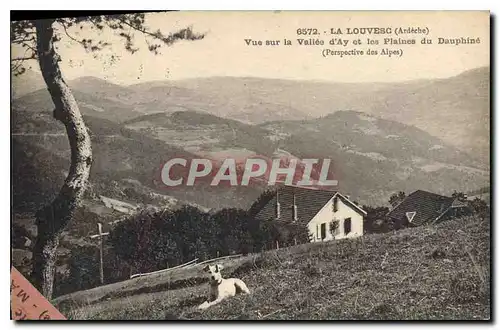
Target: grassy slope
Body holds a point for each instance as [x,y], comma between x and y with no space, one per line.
[381,276]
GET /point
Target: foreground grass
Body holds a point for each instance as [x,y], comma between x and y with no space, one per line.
[435,272]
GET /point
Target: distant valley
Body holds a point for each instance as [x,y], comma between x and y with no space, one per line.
[373,157]
[455,109]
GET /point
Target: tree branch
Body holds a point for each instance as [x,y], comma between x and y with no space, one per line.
[135,27]
[61,22]
[25,58]
[17,67]
[33,50]
[186,33]
[24,40]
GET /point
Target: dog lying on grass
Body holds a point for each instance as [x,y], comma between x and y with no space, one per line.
[221,288]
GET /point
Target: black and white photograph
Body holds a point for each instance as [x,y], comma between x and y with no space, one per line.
[251,165]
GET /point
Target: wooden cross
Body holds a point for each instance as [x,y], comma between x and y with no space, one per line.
[100,235]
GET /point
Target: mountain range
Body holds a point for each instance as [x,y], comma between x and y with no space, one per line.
[454,109]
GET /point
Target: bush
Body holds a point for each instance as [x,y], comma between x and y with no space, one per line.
[152,240]
[480,207]
[375,220]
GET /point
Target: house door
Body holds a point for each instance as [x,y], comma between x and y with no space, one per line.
[347,226]
[323,231]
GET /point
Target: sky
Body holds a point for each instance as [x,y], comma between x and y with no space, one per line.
[223,51]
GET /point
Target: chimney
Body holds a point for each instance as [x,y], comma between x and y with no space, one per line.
[295,217]
[278,207]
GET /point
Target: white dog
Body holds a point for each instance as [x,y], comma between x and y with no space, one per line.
[221,288]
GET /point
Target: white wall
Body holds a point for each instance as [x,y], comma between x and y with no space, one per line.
[326,215]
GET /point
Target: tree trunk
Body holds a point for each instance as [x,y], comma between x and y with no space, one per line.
[53,218]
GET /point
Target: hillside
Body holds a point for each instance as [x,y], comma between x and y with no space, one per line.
[372,157]
[358,132]
[91,104]
[204,133]
[26,83]
[379,155]
[455,109]
[124,160]
[436,272]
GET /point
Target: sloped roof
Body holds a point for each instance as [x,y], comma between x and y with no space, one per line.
[309,202]
[428,206]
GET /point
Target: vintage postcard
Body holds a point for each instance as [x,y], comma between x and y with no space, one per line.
[251,165]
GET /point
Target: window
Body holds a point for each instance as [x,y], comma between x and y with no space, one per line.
[323,230]
[410,216]
[347,226]
[335,223]
[335,205]
[317,232]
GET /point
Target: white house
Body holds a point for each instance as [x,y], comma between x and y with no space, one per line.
[315,209]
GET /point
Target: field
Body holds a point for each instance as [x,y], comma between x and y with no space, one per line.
[433,272]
